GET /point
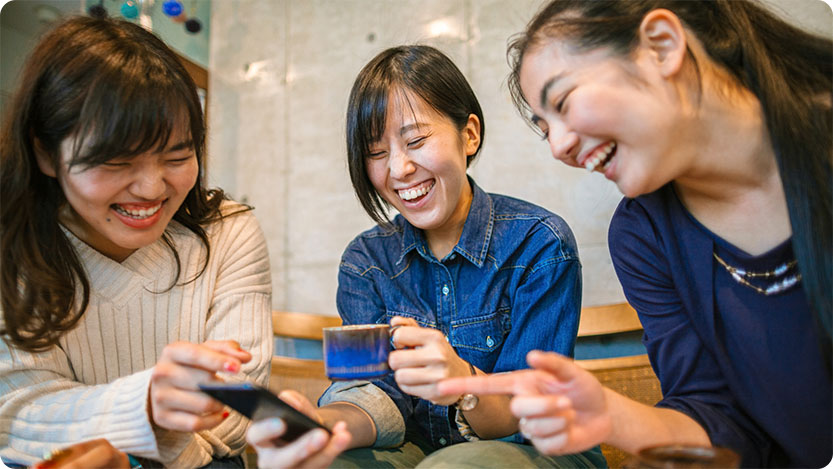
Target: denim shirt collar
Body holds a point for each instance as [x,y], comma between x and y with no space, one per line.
[477,231]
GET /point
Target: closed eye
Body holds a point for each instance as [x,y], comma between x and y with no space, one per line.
[417,142]
[177,161]
[115,164]
[375,155]
[559,104]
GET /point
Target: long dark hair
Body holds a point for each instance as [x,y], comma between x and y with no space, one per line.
[120,90]
[426,72]
[789,70]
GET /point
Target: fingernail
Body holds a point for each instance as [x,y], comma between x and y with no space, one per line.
[225,414]
[320,437]
[231,367]
[276,424]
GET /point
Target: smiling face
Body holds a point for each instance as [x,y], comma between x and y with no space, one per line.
[125,204]
[618,116]
[419,164]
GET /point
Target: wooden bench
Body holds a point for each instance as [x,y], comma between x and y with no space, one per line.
[631,376]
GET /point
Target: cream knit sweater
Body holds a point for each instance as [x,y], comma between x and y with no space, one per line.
[95,383]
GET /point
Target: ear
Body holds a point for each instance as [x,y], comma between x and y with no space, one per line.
[471,135]
[662,34]
[43,159]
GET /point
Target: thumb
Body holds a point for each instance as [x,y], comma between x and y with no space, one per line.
[402,321]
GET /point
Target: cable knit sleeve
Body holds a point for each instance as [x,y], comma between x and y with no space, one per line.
[42,407]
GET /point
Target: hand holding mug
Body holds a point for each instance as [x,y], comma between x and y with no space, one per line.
[423,357]
[313,449]
[176,403]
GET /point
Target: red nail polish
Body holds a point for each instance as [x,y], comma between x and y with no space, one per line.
[225,415]
[231,367]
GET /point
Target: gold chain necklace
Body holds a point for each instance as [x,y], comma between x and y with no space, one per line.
[741,275]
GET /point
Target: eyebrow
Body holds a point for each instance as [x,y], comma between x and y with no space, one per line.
[407,128]
[180,146]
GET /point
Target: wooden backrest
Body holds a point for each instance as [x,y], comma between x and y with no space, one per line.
[302,325]
[608,319]
[631,376]
[305,376]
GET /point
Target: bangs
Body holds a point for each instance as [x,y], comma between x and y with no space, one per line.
[372,114]
[132,109]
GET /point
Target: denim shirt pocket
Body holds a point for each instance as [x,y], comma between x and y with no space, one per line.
[477,339]
[418,317]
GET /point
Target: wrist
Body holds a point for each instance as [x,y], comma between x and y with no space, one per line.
[467,401]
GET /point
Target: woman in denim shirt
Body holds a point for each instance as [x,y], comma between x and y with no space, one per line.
[476,280]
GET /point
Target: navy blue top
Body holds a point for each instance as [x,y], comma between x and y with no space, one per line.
[746,366]
[511,284]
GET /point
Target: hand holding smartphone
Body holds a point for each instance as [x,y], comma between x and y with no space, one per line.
[258,403]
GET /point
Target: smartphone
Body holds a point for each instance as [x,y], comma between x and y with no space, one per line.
[258,403]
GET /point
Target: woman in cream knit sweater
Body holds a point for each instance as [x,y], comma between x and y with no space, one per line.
[125,282]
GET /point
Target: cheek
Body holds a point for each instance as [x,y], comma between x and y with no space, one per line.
[185,178]
[593,114]
[376,171]
[87,188]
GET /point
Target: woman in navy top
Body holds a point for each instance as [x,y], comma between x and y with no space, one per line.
[714,120]
[475,280]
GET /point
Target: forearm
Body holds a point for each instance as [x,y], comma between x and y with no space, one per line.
[359,423]
[636,426]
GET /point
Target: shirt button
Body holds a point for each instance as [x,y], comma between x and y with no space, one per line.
[442,441]
[490,341]
[445,289]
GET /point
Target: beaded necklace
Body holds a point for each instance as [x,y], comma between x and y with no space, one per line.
[742,276]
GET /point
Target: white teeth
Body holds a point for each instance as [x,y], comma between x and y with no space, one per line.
[411,194]
[601,154]
[138,214]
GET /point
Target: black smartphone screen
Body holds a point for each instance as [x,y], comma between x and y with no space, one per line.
[258,403]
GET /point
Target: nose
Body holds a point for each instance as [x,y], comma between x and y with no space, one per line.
[400,165]
[564,144]
[148,182]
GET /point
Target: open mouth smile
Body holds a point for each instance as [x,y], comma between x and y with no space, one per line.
[602,155]
[137,214]
[416,193]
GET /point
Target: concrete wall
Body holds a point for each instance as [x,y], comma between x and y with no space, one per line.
[280,73]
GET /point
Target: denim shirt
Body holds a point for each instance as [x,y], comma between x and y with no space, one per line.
[511,284]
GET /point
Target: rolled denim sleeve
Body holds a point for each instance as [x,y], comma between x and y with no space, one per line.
[390,426]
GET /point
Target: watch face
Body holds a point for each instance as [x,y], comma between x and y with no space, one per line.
[468,402]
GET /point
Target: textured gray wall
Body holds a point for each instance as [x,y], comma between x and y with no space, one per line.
[281,71]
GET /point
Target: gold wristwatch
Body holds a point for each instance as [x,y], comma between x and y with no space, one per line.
[468,401]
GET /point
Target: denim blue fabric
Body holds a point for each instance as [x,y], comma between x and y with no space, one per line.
[511,284]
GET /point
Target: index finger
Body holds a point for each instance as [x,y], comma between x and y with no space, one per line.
[229,347]
[499,383]
[201,356]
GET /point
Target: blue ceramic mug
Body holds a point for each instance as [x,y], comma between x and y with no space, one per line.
[358,351]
